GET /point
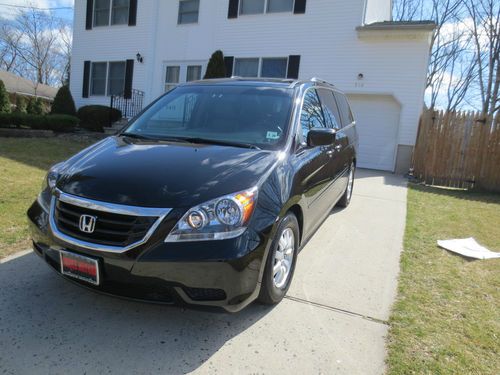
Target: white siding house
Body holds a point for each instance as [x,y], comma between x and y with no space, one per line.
[353,44]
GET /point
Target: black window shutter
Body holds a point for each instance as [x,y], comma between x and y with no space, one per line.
[86,79]
[300,7]
[232,11]
[132,13]
[229,61]
[129,75]
[293,66]
[90,11]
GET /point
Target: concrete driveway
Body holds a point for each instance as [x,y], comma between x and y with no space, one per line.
[333,320]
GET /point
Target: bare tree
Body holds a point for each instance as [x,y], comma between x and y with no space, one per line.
[37,46]
[8,53]
[451,70]
[64,47]
[485,30]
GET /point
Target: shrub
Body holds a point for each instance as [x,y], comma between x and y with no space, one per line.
[95,117]
[4,99]
[35,106]
[216,67]
[63,103]
[61,123]
[20,104]
[57,123]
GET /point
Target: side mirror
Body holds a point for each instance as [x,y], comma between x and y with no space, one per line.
[321,137]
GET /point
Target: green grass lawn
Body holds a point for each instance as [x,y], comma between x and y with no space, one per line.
[23,165]
[447,316]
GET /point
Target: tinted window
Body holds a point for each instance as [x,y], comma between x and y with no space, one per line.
[312,114]
[330,109]
[253,115]
[345,110]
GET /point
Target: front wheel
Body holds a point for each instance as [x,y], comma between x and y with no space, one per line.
[280,263]
[346,198]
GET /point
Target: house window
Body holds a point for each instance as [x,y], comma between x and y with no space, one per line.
[274,6]
[101,13]
[252,6]
[193,73]
[268,67]
[188,11]
[269,6]
[116,78]
[246,67]
[111,12]
[98,78]
[274,67]
[172,77]
[119,12]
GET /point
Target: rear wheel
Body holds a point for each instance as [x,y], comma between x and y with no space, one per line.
[280,263]
[346,198]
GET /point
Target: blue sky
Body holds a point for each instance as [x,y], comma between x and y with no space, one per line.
[8,8]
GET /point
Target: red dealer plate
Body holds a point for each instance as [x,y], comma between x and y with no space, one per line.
[79,267]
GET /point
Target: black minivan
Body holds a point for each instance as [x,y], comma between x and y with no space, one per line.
[206,197]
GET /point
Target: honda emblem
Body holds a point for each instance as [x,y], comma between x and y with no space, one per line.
[87,223]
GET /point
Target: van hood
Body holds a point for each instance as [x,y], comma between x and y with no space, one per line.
[162,174]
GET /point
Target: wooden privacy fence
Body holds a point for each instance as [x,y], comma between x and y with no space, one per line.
[458,149]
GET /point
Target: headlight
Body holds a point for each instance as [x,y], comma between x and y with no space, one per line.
[218,219]
[50,180]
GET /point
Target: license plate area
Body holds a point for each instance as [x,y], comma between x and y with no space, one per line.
[79,267]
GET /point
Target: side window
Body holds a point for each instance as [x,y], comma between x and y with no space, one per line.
[330,109]
[345,110]
[312,114]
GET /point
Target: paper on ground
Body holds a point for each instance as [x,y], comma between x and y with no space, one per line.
[468,247]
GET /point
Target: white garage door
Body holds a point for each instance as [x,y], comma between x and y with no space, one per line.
[377,121]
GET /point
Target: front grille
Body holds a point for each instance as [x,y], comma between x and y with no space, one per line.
[111,229]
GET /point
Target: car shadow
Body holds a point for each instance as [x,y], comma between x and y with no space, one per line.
[48,325]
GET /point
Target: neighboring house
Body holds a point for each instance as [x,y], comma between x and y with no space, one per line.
[16,85]
[152,45]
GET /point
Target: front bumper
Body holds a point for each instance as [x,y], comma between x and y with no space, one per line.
[222,273]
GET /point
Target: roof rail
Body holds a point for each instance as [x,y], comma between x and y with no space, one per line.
[319,80]
[294,83]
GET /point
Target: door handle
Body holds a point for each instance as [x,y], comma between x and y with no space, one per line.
[329,153]
[338,147]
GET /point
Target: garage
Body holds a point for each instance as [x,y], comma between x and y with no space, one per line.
[377,121]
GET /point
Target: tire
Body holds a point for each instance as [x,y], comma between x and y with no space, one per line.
[346,198]
[274,286]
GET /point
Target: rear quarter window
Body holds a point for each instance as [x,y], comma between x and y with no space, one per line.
[345,109]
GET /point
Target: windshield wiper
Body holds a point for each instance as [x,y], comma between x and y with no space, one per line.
[151,138]
[138,136]
[219,142]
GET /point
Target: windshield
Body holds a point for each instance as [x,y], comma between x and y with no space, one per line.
[246,116]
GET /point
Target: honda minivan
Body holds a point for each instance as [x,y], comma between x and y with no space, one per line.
[206,197]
